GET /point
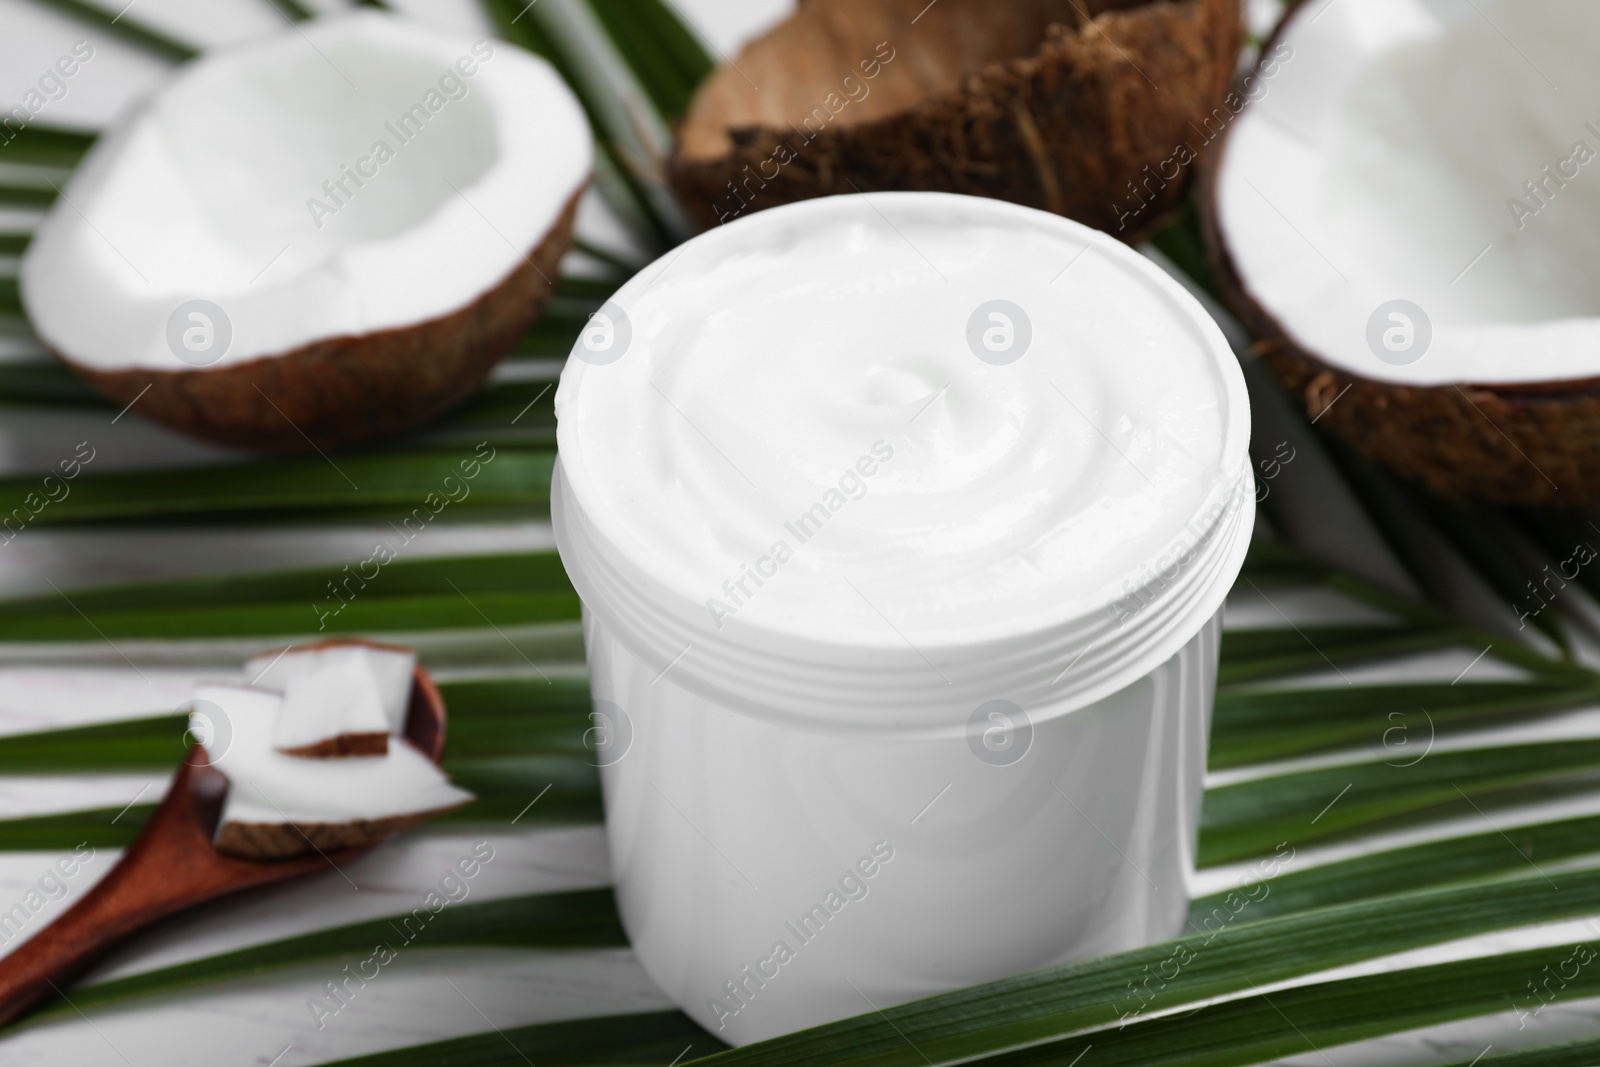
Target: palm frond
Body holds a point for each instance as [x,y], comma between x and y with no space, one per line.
[41,144]
[1572,1054]
[572,920]
[1495,853]
[293,10]
[1253,726]
[388,485]
[667,57]
[1044,1009]
[654,1037]
[1254,817]
[127,27]
[1256,655]
[624,164]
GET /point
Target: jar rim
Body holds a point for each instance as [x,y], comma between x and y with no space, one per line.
[1090,647]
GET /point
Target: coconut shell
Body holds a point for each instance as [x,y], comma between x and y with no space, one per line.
[348,389]
[343,745]
[1080,107]
[277,841]
[1523,444]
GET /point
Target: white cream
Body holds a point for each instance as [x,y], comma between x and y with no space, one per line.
[815,360]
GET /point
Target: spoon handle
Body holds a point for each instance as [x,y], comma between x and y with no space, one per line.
[147,883]
[169,867]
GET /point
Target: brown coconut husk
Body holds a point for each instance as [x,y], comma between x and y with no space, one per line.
[1080,107]
[277,841]
[344,390]
[371,744]
[1523,444]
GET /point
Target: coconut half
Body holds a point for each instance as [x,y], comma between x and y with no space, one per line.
[315,238]
[280,804]
[1404,216]
[1089,108]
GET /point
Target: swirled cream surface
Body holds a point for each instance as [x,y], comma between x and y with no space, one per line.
[902,419]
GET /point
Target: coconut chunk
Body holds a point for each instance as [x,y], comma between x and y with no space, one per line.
[335,709]
[280,805]
[391,669]
[222,717]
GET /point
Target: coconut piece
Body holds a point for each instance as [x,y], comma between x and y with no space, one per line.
[390,668]
[1081,107]
[314,238]
[280,805]
[1403,152]
[333,710]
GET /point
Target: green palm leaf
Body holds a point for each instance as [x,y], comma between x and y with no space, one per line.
[1311,1018]
[1254,817]
[293,9]
[392,485]
[652,1038]
[664,54]
[573,920]
[1575,1054]
[128,27]
[1492,854]
[45,384]
[45,145]
[1124,990]
[1254,655]
[1252,726]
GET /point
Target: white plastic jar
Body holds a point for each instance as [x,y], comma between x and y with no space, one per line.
[902,525]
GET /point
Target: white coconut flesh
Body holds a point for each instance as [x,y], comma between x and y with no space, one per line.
[332,710]
[1388,156]
[291,801]
[388,670]
[341,178]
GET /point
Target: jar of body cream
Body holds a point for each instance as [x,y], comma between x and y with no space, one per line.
[902,524]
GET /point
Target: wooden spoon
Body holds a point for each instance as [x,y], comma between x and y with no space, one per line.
[172,866]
